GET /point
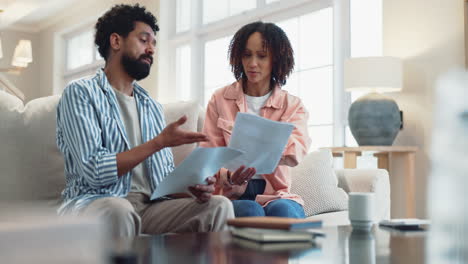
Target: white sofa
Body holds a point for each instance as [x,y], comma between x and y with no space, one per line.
[31,166]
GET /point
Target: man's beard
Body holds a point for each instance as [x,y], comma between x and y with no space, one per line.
[135,67]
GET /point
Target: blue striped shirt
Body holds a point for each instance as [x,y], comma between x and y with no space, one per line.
[90,134]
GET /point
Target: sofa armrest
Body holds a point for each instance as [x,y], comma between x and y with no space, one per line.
[368,180]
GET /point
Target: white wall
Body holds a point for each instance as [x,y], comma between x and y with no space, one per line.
[429,36]
[84,15]
[26,81]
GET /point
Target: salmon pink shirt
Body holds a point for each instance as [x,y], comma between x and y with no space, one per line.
[281,106]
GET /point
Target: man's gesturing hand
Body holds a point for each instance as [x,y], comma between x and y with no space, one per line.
[203,192]
[173,135]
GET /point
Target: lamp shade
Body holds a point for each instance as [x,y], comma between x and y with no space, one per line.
[377,74]
[23,54]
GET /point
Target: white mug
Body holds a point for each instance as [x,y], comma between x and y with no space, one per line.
[361,207]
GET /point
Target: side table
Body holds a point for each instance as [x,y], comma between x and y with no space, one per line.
[384,156]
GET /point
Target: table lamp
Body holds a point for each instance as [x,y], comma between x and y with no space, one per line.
[22,56]
[374,119]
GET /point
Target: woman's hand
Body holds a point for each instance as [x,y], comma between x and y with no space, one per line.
[240,176]
[236,183]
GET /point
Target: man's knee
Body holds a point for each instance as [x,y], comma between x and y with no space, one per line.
[215,214]
[117,207]
[221,203]
[118,213]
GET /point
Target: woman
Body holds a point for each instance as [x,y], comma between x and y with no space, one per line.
[261,59]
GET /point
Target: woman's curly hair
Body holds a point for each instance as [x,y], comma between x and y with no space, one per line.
[276,43]
[120,19]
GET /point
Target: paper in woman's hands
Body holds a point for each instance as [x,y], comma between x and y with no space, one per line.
[199,165]
[255,142]
[262,140]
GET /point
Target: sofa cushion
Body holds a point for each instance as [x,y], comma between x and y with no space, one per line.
[315,181]
[31,165]
[172,112]
[338,218]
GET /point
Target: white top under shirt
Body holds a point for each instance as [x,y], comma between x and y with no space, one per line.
[254,106]
[129,114]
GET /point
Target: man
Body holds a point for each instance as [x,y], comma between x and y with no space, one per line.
[115,142]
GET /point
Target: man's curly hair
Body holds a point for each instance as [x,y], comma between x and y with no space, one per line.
[120,19]
[276,43]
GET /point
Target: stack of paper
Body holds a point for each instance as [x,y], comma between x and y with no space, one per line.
[256,142]
[200,164]
[261,140]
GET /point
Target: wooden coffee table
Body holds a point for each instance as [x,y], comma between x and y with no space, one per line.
[340,245]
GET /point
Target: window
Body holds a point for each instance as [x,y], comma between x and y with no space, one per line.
[78,51]
[183,72]
[214,10]
[217,70]
[183,15]
[312,80]
[82,57]
[200,43]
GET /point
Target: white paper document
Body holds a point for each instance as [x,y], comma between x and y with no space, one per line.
[262,140]
[200,164]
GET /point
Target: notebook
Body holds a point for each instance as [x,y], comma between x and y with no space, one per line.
[271,222]
[275,247]
[274,235]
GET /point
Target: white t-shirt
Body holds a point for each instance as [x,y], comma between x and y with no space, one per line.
[129,114]
[255,103]
[254,106]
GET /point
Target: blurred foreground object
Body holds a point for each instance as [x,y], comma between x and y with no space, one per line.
[30,235]
[448,181]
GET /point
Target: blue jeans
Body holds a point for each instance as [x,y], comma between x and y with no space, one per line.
[246,205]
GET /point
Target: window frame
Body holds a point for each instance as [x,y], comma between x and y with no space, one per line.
[198,34]
[84,69]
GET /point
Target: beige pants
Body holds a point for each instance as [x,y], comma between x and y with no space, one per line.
[136,213]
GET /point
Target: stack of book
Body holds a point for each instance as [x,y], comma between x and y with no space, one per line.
[274,233]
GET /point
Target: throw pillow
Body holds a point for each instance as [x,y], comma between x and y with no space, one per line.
[31,164]
[315,181]
[172,112]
